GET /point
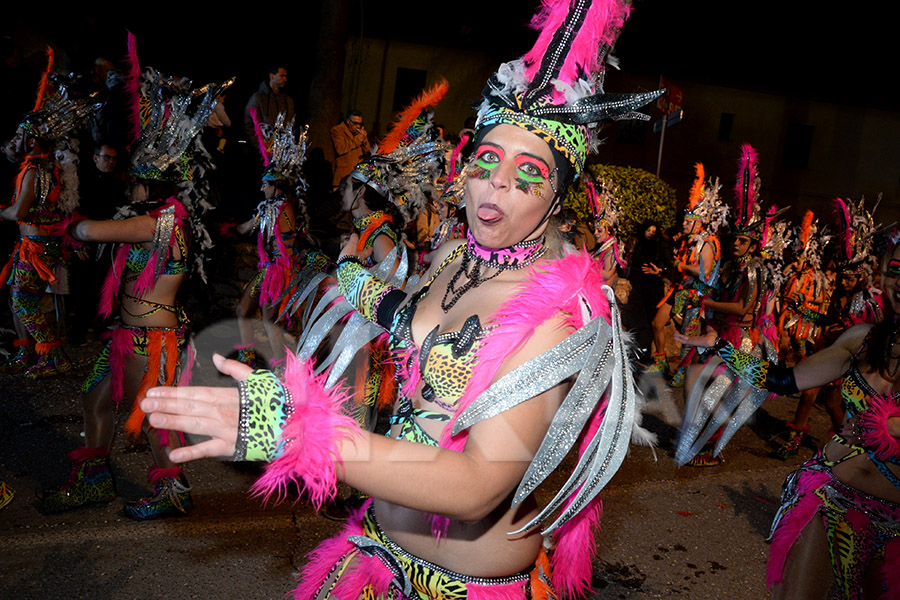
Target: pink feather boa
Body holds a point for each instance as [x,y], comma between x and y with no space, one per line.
[315,432]
[873,426]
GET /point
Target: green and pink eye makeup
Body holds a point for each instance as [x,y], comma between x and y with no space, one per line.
[531,173]
[893,268]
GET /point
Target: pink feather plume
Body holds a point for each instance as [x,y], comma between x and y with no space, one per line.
[846,224]
[873,426]
[600,27]
[793,523]
[748,170]
[454,157]
[260,139]
[131,92]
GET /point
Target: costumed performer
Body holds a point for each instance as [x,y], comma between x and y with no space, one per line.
[453,513]
[837,533]
[697,263]
[849,304]
[280,219]
[46,191]
[150,345]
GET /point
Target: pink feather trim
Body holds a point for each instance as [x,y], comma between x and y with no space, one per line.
[747,173]
[157,473]
[113,281]
[314,434]
[873,427]
[509,591]
[187,367]
[573,556]
[147,279]
[327,554]
[600,27]
[454,157]
[364,571]
[120,350]
[80,455]
[890,571]
[793,524]
[260,139]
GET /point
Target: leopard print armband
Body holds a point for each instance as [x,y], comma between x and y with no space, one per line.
[362,289]
[265,406]
[759,373]
[744,365]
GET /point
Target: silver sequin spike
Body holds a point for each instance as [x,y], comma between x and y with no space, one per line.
[608,447]
[320,329]
[532,378]
[322,306]
[360,338]
[699,411]
[753,400]
[570,419]
[162,237]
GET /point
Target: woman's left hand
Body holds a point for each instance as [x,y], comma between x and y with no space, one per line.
[208,411]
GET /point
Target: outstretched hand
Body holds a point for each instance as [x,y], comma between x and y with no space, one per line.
[707,340]
[207,411]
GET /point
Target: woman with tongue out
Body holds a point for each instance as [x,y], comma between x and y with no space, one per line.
[509,353]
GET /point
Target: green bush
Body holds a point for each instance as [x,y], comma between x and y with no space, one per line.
[641,196]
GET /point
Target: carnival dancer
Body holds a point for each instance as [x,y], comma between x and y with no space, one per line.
[46,190]
[803,304]
[849,304]
[468,421]
[840,511]
[606,222]
[281,220]
[697,261]
[154,234]
[733,309]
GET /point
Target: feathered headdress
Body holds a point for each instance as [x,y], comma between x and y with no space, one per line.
[556,90]
[409,160]
[856,234]
[810,241]
[704,203]
[55,115]
[282,156]
[167,117]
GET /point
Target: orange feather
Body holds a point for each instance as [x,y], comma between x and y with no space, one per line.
[697,188]
[410,114]
[42,85]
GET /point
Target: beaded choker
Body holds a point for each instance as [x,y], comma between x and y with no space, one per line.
[476,259]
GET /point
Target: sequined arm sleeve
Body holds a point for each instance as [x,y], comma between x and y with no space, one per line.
[757,372]
[372,297]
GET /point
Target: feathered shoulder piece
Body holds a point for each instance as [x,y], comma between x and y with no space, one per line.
[409,160]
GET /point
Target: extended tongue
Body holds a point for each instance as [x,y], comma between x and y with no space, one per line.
[486,213]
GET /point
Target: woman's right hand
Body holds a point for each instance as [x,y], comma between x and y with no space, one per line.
[208,411]
[707,340]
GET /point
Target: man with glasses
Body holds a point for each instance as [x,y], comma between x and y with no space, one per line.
[351,144]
